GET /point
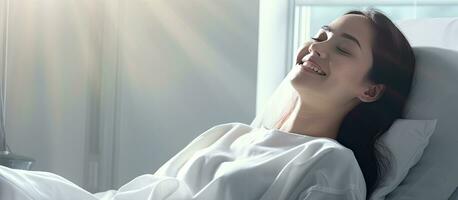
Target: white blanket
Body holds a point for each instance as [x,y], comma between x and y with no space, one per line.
[228,161]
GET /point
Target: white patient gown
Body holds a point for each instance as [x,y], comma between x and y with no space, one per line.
[227,162]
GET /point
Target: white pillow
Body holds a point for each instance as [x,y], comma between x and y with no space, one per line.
[406,139]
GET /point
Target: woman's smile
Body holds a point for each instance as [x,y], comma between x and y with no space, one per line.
[308,67]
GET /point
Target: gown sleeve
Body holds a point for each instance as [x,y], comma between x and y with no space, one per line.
[207,138]
[337,176]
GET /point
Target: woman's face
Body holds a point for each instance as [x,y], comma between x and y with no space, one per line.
[342,51]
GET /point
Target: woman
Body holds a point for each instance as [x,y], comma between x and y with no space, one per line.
[365,73]
[314,140]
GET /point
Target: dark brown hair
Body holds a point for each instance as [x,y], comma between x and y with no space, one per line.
[393,65]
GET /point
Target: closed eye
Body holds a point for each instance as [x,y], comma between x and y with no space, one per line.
[342,51]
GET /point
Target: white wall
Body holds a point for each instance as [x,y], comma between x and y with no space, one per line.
[52,53]
[185,67]
[103,91]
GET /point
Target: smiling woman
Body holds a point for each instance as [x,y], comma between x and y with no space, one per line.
[368,66]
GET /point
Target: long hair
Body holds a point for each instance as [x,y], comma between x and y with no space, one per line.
[393,65]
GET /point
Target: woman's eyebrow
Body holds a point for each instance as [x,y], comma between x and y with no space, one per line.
[345,35]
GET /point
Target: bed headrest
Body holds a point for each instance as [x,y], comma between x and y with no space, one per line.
[434,96]
[431,32]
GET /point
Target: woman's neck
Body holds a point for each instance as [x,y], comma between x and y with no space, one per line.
[306,120]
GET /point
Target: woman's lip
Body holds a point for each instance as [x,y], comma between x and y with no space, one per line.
[316,65]
[305,68]
[313,64]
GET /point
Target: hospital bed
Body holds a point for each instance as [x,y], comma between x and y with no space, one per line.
[434,95]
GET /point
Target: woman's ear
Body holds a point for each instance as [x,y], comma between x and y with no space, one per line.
[372,93]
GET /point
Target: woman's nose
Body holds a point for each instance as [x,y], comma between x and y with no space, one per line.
[319,49]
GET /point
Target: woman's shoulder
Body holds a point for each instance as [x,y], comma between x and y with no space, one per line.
[326,149]
[319,145]
[333,147]
[229,126]
[217,132]
[221,129]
